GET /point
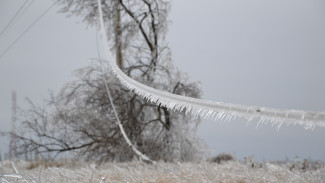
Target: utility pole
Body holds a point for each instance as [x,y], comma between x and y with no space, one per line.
[118,34]
[13,139]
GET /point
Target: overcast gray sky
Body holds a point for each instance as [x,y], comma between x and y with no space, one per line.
[267,53]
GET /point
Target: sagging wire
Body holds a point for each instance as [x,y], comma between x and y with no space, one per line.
[211,109]
[135,150]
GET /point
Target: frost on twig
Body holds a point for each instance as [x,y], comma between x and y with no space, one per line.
[16,176]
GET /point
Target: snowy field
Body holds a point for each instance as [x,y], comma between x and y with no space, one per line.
[233,171]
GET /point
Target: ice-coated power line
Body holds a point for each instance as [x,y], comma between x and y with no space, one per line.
[25,31]
[211,109]
[140,154]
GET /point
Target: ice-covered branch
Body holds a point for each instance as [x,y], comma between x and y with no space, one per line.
[211,109]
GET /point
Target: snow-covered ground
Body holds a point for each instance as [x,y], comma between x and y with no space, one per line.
[231,171]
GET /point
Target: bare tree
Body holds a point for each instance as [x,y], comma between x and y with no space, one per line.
[79,119]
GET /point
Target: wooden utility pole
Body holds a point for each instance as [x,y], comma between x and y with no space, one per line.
[118,34]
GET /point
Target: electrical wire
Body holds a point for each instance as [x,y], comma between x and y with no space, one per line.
[13,18]
[23,12]
[25,31]
[135,150]
[212,109]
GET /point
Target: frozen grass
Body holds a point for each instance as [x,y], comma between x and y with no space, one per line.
[232,171]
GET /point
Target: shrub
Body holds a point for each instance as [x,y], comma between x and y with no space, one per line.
[223,157]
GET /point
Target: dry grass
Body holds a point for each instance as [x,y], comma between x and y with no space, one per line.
[136,171]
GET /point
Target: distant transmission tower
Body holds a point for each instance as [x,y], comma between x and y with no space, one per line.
[13,139]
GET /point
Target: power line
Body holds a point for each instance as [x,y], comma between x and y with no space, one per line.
[19,15]
[26,30]
[13,18]
[126,138]
[211,109]
[31,2]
